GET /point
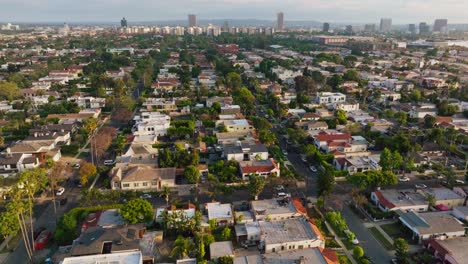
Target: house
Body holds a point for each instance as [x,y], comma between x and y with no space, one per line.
[99,240]
[420,111]
[303,256]
[444,196]
[160,104]
[13,163]
[230,110]
[151,124]
[322,139]
[216,99]
[289,234]
[246,151]
[449,251]
[236,125]
[431,225]
[461,212]
[88,101]
[265,168]
[313,125]
[146,177]
[404,200]
[273,209]
[188,212]
[232,138]
[354,164]
[58,138]
[71,118]
[221,213]
[38,149]
[249,231]
[139,153]
[221,249]
[131,257]
[346,106]
[359,116]
[330,98]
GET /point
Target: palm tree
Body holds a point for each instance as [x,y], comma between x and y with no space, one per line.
[165,192]
[181,248]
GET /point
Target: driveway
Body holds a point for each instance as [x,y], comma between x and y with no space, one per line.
[371,246]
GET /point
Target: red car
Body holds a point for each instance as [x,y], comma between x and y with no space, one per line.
[42,240]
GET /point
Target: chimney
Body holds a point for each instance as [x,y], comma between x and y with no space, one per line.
[8,150]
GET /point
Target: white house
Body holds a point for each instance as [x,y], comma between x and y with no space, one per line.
[330,98]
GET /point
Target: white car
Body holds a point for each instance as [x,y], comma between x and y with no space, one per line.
[283,195]
[60,191]
[145,196]
[420,186]
[304,158]
[403,179]
[313,169]
[109,162]
[285,153]
[459,182]
[77,166]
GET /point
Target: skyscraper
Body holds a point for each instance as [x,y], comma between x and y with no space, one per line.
[326,27]
[412,28]
[226,26]
[123,22]
[385,24]
[280,21]
[440,25]
[192,20]
[349,29]
[423,28]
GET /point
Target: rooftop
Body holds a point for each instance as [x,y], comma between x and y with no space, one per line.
[456,247]
[303,256]
[272,207]
[133,257]
[221,249]
[219,211]
[432,222]
[289,230]
[442,193]
[392,198]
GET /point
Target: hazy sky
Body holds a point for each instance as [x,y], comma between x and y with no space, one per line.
[401,11]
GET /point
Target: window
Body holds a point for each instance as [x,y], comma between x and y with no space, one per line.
[154,183]
[136,184]
[145,184]
[126,185]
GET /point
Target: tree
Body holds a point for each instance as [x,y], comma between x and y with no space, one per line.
[121,115]
[261,123]
[87,170]
[165,192]
[9,225]
[225,260]
[2,141]
[8,90]
[431,200]
[358,252]
[181,247]
[341,116]
[225,234]
[245,99]
[326,180]
[371,179]
[351,75]
[401,250]
[305,84]
[90,125]
[256,185]
[103,140]
[233,80]
[429,121]
[192,174]
[137,211]
[390,161]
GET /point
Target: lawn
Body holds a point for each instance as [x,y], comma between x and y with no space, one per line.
[385,243]
[397,230]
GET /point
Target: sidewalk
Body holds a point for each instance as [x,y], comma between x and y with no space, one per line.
[338,239]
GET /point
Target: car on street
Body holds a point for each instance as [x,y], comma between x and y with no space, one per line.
[403,179]
[420,186]
[60,191]
[313,169]
[459,182]
[285,153]
[283,195]
[109,162]
[77,166]
[279,188]
[304,158]
[145,196]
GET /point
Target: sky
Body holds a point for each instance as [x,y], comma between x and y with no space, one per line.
[352,11]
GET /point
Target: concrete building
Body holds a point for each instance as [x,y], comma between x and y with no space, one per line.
[141,178]
[440,25]
[221,213]
[280,21]
[192,20]
[237,125]
[132,257]
[221,249]
[246,151]
[444,196]
[326,27]
[264,168]
[385,24]
[330,98]
[302,256]
[289,234]
[275,209]
[123,22]
[461,212]
[449,251]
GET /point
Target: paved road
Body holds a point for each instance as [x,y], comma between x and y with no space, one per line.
[371,246]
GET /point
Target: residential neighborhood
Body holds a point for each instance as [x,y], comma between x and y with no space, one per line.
[234,144]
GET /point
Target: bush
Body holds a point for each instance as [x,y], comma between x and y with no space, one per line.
[70,150]
[358,252]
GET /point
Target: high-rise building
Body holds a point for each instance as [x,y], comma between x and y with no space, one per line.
[412,28]
[326,27]
[192,20]
[440,25]
[424,28]
[123,22]
[369,27]
[385,24]
[280,21]
[349,29]
[226,26]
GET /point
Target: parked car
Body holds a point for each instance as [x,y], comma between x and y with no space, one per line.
[285,153]
[459,182]
[60,191]
[420,186]
[283,195]
[355,241]
[248,243]
[313,169]
[403,179]
[77,166]
[304,158]
[145,196]
[109,162]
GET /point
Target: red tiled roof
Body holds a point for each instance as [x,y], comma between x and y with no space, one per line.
[332,137]
[330,256]
[299,207]
[384,202]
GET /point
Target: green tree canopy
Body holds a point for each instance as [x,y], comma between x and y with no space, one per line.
[137,211]
[8,90]
[192,174]
[256,185]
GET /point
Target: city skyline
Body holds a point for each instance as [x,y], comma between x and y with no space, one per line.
[335,11]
